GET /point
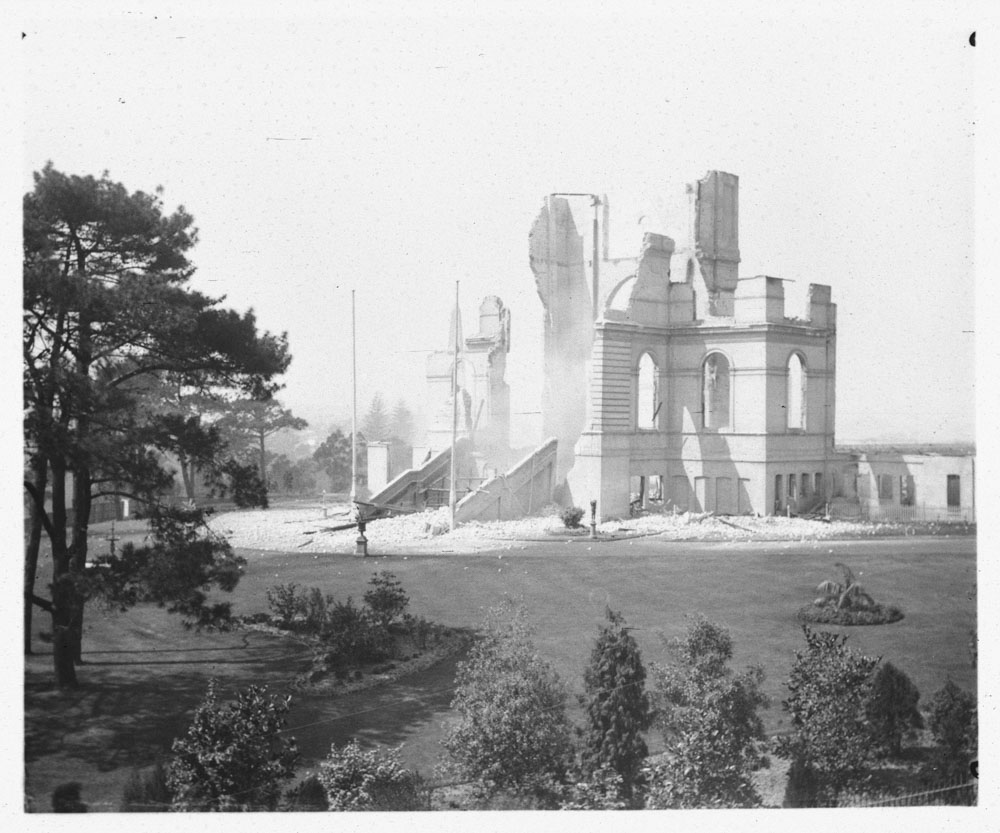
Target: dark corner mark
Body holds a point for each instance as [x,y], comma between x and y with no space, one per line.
[23,35]
[972,39]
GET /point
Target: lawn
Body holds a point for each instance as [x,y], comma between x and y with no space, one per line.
[145,673]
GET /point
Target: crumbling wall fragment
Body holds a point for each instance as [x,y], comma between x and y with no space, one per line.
[556,257]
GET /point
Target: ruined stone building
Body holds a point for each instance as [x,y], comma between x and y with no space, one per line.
[671,384]
[693,388]
[483,392]
[489,483]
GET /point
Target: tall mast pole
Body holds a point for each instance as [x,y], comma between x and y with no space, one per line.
[452,492]
[354,407]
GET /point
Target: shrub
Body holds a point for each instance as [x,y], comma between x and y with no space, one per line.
[710,722]
[386,599]
[353,637]
[233,756]
[829,687]
[571,517]
[307,796]
[148,793]
[243,482]
[285,602]
[374,780]
[829,614]
[598,790]
[316,607]
[419,629]
[513,734]
[892,708]
[66,798]
[802,787]
[847,603]
[951,719]
[617,707]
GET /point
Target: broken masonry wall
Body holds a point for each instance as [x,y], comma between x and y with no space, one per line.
[484,395]
[556,257]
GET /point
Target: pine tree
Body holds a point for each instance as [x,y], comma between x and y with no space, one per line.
[401,424]
[375,425]
[616,703]
[892,708]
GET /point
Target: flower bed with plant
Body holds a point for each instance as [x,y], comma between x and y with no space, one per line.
[847,603]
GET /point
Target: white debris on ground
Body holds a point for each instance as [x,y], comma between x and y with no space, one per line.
[309,529]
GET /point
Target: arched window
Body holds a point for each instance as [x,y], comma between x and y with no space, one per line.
[796,393]
[715,391]
[647,405]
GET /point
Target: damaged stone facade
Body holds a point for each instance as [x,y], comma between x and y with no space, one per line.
[693,388]
[483,393]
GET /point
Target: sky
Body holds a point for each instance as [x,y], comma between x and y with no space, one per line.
[392,154]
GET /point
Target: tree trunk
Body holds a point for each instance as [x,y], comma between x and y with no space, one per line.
[263,464]
[64,643]
[78,550]
[188,476]
[63,589]
[81,482]
[31,550]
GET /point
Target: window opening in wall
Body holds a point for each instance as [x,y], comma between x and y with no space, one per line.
[796,399]
[884,486]
[647,398]
[792,487]
[805,490]
[907,491]
[778,494]
[818,483]
[715,391]
[654,489]
[636,493]
[954,491]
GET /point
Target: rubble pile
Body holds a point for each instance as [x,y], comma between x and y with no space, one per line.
[312,529]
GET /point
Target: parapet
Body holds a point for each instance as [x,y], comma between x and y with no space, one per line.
[761,300]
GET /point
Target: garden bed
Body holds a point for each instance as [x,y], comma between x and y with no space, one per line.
[831,615]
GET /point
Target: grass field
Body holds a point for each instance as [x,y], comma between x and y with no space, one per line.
[145,674]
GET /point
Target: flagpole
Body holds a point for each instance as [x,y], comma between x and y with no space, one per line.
[452,493]
[354,407]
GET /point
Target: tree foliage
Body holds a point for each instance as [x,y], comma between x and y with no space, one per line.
[952,721]
[245,425]
[233,757]
[401,423]
[711,725]
[617,706]
[375,424]
[176,570]
[892,708]
[334,455]
[374,780]
[513,732]
[108,314]
[829,688]
[385,599]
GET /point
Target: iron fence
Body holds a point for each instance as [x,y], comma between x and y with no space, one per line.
[920,513]
[959,792]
